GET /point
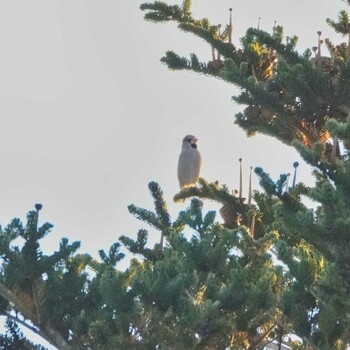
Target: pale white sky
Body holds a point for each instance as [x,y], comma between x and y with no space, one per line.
[89,115]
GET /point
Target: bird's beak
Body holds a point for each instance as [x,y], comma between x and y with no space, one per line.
[194,141]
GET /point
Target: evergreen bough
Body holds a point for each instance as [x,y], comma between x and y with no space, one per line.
[268,269]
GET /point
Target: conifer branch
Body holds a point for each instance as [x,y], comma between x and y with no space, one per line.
[25,324]
[7,294]
[45,331]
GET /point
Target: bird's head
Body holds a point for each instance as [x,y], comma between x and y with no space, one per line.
[190,140]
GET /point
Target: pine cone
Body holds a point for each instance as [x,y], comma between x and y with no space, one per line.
[230,215]
[215,66]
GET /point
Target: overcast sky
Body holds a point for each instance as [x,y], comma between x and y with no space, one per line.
[89,115]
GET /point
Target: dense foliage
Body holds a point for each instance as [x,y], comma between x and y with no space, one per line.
[272,268]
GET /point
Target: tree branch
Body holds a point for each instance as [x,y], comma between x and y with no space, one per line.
[45,331]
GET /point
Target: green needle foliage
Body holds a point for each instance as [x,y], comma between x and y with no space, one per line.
[287,95]
[260,272]
[209,285]
[203,284]
[302,99]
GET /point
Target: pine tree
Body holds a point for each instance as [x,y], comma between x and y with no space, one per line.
[210,283]
[303,101]
[70,300]
[287,95]
[207,285]
[203,285]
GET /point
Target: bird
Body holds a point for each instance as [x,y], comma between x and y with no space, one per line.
[189,163]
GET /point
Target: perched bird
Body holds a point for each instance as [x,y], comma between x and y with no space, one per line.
[189,164]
